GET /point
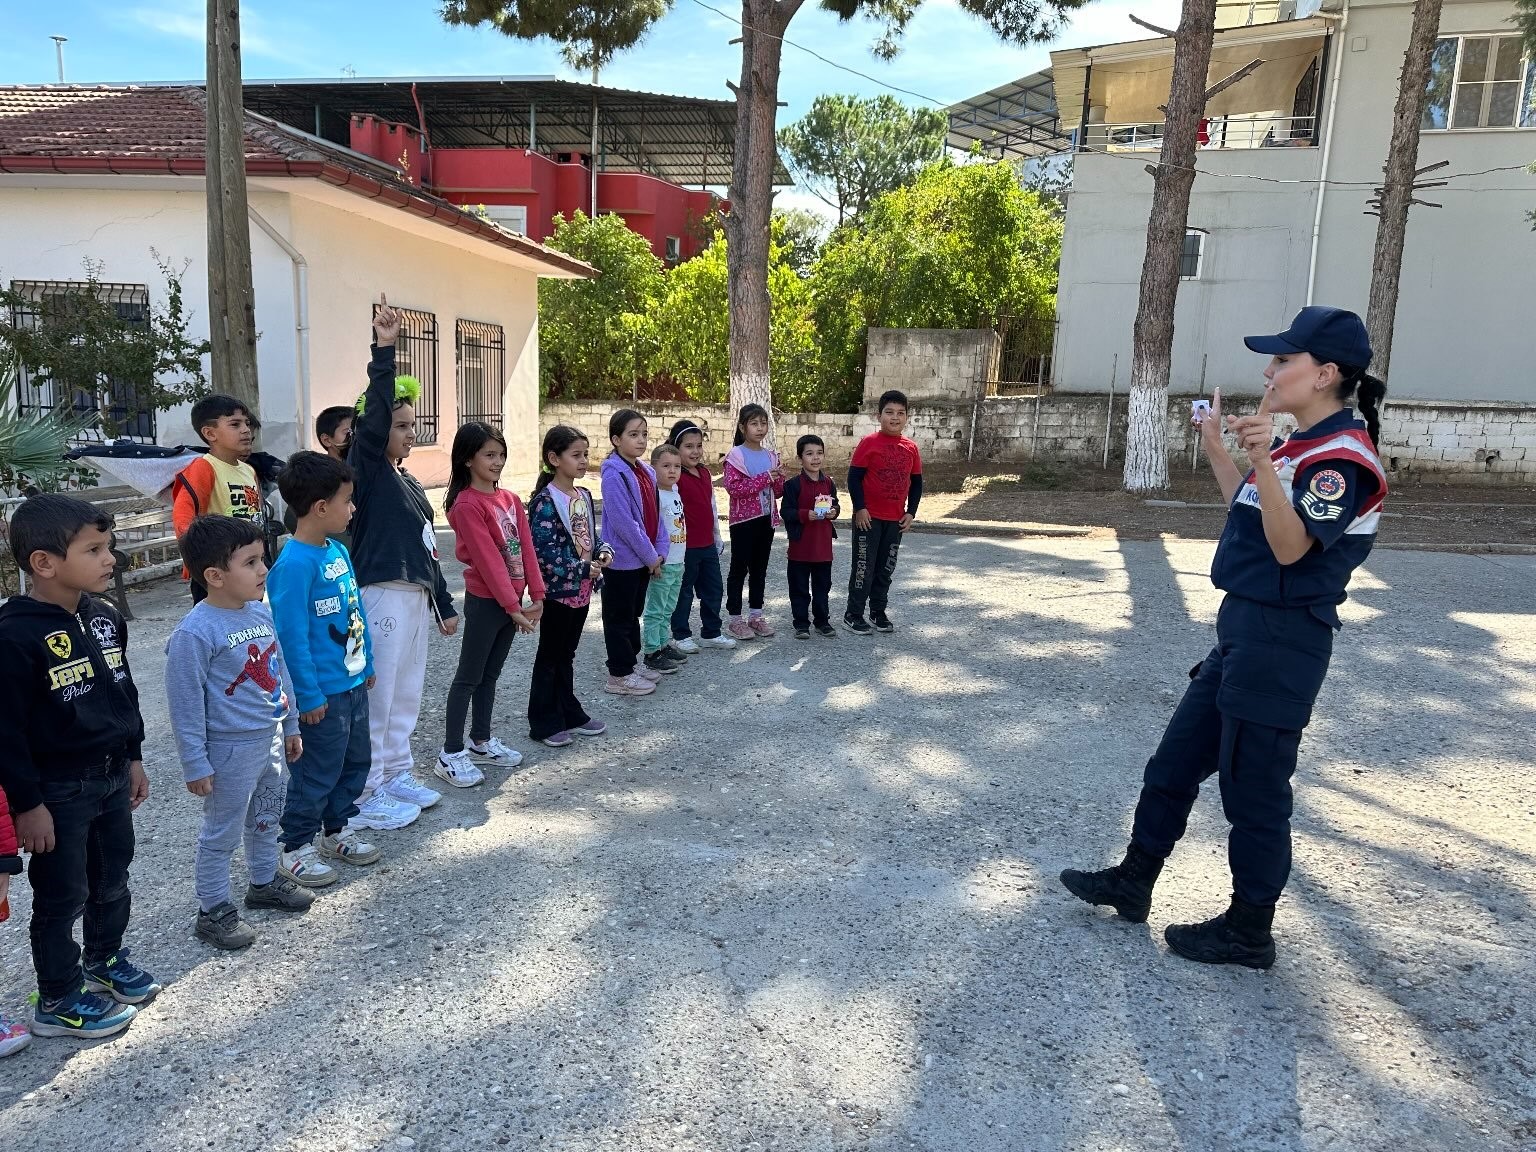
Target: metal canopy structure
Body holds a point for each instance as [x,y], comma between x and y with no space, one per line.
[1017,121]
[681,139]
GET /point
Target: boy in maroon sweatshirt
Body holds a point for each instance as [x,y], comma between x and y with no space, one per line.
[808,508]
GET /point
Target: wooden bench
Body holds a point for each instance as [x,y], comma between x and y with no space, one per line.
[155,525]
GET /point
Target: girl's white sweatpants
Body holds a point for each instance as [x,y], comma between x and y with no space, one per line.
[400,619]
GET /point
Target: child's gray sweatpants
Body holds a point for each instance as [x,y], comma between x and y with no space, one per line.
[250,781]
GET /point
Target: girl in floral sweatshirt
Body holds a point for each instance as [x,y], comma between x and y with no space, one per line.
[754,479]
[571,558]
[494,543]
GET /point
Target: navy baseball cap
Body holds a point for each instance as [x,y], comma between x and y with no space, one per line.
[1331,335]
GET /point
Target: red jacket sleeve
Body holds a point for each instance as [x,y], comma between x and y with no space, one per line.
[187,506]
[480,537]
[8,845]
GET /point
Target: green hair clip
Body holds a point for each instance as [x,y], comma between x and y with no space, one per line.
[407,391]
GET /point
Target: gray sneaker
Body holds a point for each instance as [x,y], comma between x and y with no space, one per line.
[282,893]
[223,928]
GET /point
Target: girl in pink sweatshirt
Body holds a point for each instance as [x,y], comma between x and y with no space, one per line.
[493,541]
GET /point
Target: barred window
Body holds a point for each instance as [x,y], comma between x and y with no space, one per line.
[126,405]
[1192,255]
[416,355]
[479,349]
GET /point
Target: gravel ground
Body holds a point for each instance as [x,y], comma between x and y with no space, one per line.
[804,898]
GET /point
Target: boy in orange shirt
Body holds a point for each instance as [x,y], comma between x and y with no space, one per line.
[221,483]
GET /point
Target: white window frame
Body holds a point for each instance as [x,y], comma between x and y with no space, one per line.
[1527,85]
[1199,255]
[673,247]
[512,217]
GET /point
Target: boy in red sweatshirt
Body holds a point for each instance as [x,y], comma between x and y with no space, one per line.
[808,507]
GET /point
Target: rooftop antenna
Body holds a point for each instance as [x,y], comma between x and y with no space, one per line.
[58,45]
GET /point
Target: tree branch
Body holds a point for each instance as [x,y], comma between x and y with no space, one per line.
[1222,85]
[1152,27]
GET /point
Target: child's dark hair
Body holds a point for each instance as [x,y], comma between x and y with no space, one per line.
[49,523]
[467,441]
[1368,390]
[310,477]
[662,451]
[331,419]
[748,412]
[683,428]
[557,442]
[212,541]
[892,397]
[806,441]
[212,409]
[621,420]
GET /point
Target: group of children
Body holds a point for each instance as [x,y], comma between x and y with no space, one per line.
[293,723]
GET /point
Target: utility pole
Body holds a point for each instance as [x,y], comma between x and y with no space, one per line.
[231,297]
[58,47]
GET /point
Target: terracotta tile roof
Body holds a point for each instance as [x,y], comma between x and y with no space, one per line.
[131,130]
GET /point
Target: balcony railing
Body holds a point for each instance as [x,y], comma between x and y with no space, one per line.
[1221,132]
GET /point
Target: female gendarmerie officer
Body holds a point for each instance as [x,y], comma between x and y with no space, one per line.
[1297,526]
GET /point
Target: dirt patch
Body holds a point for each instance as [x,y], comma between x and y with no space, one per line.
[1042,496]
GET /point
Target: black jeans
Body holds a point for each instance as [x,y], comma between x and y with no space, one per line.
[488,634]
[701,575]
[552,703]
[1268,665]
[623,604]
[751,544]
[810,581]
[874,563]
[87,871]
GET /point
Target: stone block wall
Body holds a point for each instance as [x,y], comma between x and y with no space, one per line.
[928,364]
[1473,443]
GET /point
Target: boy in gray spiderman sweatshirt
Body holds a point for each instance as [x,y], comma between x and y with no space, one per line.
[236,721]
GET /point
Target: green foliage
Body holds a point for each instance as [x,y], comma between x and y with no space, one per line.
[591,33]
[692,326]
[84,346]
[803,233]
[1525,19]
[962,247]
[847,150]
[593,334]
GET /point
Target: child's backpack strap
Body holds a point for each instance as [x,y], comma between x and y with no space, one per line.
[185,486]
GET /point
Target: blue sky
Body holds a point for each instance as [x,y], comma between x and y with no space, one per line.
[947,55]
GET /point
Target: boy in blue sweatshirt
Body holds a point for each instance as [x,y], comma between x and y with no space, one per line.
[236,724]
[320,622]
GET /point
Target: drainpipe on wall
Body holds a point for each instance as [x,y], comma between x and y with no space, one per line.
[300,323]
[1339,48]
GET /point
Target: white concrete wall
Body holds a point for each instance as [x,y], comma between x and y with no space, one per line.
[353,258]
[1463,329]
[48,234]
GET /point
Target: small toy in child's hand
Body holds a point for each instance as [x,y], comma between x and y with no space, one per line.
[1199,410]
[823,507]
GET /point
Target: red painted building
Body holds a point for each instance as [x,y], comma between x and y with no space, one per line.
[523,147]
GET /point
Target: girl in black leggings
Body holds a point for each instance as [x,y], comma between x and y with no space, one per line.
[754,479]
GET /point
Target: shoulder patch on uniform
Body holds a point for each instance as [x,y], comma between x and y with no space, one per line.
[1316,508]
[1328,484]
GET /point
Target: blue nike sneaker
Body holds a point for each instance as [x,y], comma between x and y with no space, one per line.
[84,1015]
[121,979]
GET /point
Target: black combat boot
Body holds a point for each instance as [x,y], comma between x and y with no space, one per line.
[1127,887]
[1240,935]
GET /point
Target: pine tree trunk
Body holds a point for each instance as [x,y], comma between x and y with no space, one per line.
[1146,445]
[231,296]
[747,223]
[1397,192]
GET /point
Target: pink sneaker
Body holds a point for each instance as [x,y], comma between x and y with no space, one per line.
[760,626]
[630,685]
[740,630]
[14,1036]
[650,675]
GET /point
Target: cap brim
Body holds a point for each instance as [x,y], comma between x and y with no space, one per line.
[1270,345]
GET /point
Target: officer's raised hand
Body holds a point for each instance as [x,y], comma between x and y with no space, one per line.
[1255,434]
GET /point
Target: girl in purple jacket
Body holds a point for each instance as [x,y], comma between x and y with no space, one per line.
[632,527]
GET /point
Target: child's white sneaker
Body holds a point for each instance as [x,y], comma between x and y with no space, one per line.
[383,813]
[348,847]
[407,788]
[456,768]
[688,646]
[495,752]
[305,868]
[719,642]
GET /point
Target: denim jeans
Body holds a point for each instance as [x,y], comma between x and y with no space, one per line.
[87,871]
[701,575]
[325,782]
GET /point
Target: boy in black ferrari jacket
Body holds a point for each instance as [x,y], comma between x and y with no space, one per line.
[72,768]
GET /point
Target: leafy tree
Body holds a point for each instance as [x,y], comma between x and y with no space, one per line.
[99,357]
[847,150]
[593,335]
[803,233]
[961,247]
[590,33]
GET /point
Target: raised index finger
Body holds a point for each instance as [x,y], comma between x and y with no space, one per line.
[1265,399]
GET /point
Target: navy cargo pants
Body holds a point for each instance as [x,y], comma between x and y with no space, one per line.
[1240,719]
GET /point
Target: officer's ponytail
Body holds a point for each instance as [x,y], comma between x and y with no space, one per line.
[1368,391]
